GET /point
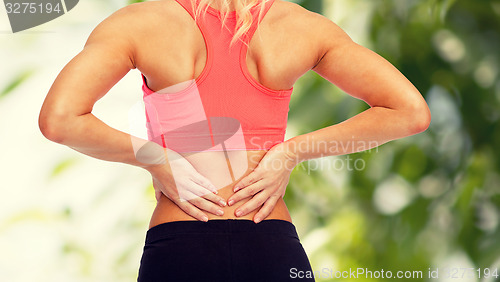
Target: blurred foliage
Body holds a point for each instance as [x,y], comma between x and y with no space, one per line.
[62,166]
[16,81]
[449,50]
[417,201]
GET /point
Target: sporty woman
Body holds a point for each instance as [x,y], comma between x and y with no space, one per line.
[217,79]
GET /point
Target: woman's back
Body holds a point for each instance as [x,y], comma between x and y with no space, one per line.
[171,52]
[170,49]
[163,42]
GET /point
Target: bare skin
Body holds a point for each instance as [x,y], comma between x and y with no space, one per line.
[140,36]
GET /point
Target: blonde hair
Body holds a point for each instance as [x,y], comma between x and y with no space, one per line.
[244,19]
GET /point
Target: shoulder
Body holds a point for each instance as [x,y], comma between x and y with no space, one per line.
[136,19]
[286,12]
[289,11]
[151,11]
[129,27]
[320,32]
[311,24]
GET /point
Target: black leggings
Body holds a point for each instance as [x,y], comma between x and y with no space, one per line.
[223,250]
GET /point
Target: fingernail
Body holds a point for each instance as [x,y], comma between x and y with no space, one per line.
[238,213]
[236,188]
[222,202]
[230,202]
[257,220]
[205,218]
[220,212]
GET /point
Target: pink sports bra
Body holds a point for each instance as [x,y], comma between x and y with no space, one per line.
[225,108]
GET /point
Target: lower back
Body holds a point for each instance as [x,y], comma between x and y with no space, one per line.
[224,170]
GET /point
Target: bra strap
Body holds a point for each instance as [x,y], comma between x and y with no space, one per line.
[188,6]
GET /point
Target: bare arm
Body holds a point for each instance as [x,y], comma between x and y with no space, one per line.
[397,109]
[66,116]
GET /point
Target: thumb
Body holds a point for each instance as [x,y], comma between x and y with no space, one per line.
[203,181]
[251,178]
[157,190]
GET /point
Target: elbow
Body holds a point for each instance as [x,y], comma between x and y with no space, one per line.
[419,118]
[51,127]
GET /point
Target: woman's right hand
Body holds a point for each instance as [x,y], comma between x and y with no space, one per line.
[179,181]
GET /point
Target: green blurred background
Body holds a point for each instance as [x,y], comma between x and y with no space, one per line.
[427,201]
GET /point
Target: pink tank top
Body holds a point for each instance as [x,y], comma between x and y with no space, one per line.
[225,108]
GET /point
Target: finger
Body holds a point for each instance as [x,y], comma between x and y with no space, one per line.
[215,199]
[190,209]
[158,195]
[185,195]
[159,191]
[202,192]
[193,211]
[251,178]
[245,193]
[251,205]
[203,181]
[205,205]
[266,209]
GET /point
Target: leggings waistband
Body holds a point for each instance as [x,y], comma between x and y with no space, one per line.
[220,226]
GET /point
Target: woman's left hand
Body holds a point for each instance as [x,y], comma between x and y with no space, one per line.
[266,183]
